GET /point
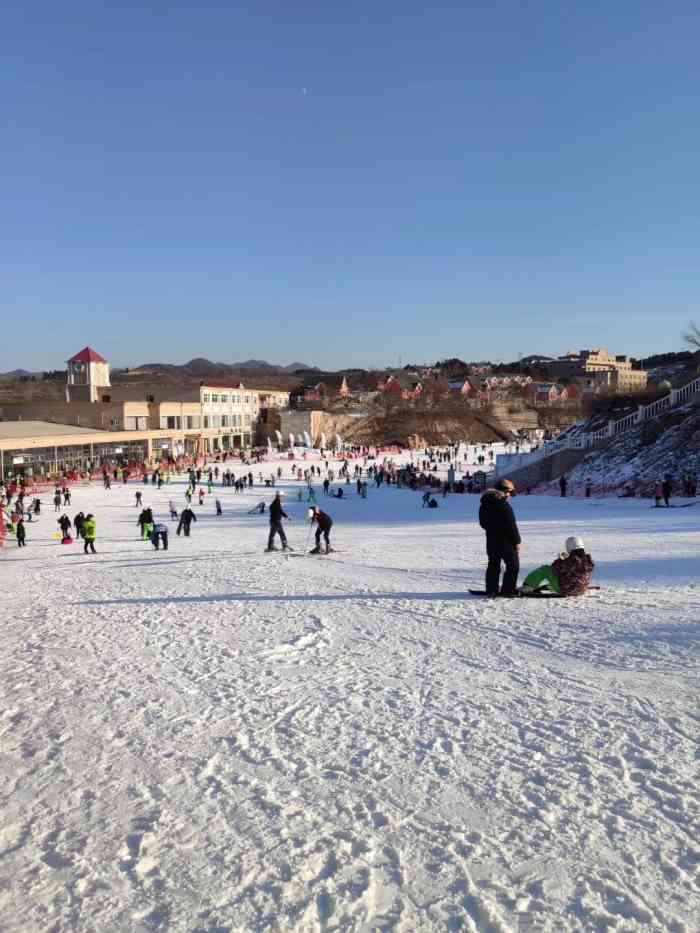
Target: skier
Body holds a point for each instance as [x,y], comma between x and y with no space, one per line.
[160,533]
[503,540]
[277,513]
[219,510]
[325,523]
[57,500]
[89,533]
[569,575]
[138,499]
[187,516]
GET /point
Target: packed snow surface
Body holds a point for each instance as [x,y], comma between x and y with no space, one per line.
[217,739]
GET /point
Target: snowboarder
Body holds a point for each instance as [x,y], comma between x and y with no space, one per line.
[569,575]
[503,540]
[277,513]
[325,523]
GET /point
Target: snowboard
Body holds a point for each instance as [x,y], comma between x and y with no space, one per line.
[543,595]
[540,594]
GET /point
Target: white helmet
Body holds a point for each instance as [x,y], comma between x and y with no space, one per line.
[574,544]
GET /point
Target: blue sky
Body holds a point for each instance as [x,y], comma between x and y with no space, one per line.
[344,184]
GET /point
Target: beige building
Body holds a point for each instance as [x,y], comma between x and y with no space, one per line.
[205,418]
[599,365]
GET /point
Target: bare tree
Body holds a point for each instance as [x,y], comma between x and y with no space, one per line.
[692,336]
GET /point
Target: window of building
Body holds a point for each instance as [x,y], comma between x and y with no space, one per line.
[215,398]
[206,421]
[216,421]
[224,421]
[224,398]
[205,397]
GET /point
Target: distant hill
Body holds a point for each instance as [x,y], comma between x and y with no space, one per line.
[202,368]
[18,374]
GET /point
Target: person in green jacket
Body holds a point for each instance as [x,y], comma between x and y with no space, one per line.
[89,533]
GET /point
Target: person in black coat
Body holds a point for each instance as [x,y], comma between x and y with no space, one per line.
[78,524]
[277,513]
[187,516]
[64,525]
[325,523]
[497,518]
[667,490]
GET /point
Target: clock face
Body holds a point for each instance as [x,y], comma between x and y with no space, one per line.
[79,367]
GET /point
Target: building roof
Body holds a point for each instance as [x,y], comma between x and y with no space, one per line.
[87,355]
[27,429]
[240,386]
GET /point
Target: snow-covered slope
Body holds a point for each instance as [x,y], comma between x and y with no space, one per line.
[212,738]
[668,445]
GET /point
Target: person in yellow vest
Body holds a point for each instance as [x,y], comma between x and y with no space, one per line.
[89,533]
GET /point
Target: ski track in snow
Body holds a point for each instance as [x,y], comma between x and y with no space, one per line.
[211,739]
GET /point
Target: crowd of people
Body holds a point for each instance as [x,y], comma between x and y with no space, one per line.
[568,575]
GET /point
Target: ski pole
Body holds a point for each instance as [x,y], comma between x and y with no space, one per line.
[308,536]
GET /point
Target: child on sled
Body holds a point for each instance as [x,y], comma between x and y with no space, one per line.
[569,575]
